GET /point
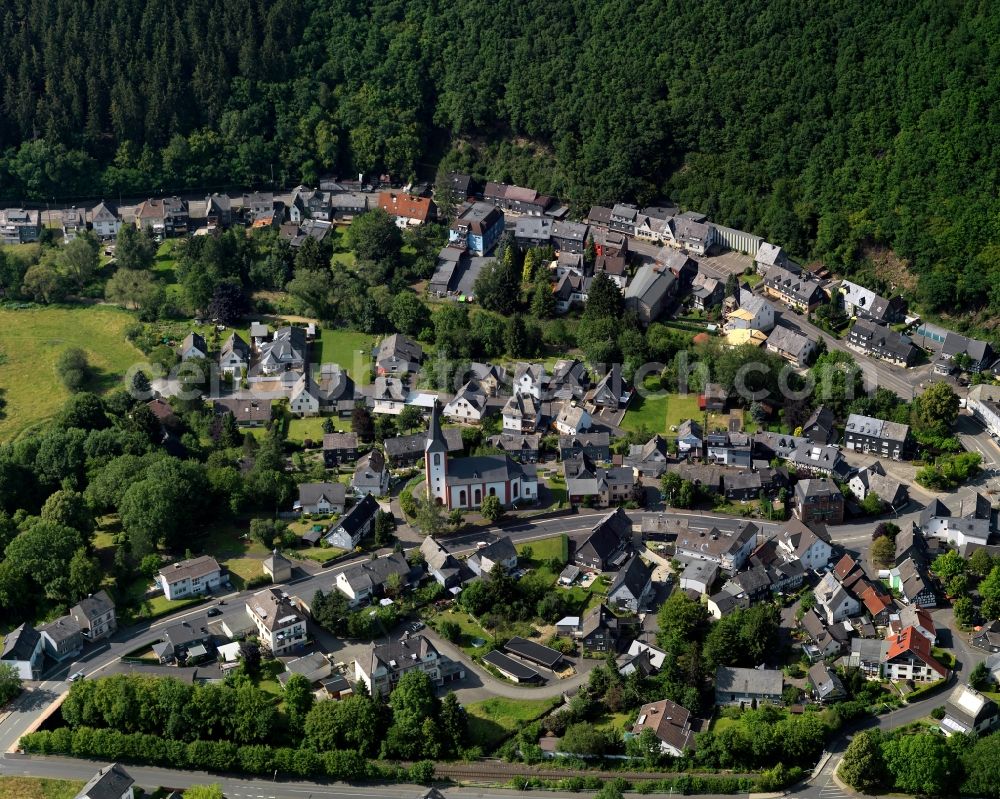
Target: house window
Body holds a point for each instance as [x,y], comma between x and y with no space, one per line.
[437,459]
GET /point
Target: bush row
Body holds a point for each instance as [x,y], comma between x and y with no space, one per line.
[218,756]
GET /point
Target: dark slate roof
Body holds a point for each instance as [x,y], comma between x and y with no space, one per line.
[634,576]
[401,446]
[536,653]
[507,664]
[94,606]
[358,516]
[20,643]
[108,783]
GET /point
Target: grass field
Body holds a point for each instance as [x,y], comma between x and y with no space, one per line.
[658,414]
[546,549]
[165,268]
[38,788]
[471,631]
[348,348]
[492,720]
[312,427]
[33,340]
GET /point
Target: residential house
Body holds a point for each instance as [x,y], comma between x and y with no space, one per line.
[110,782]
[877,341]
[597,485]
[234,358]
[816,460]
[62,638]
[596,446]
[407,450]
[632,589]
[285,352]
[407,209]
[599,219]
[911,581]
[909,658]
[822,641]
[910,544]
[867,655]
[489,377]
[365,581]
[795,348]
[304,398]
[23,650]
[344,206]
[309,204]
[968,712]
[371,475]
[389,395]
[649,459]
[623,218]
[984,404]
[799,291]
[988,637]
[751,312]
[354,525]
[972,524]
[754,584]
[398,355]
[689,437]
[611,392]
[277,567]
[707,292]
[820,427]
[388,662]
[518,199]
[72,222]
[281,626]
[444,567]
[724,602]
[615,267]
[689,234]
[826,685]
[920,620]
[315,667]
[866,304]
[598,630]
[796,540]
[104,221]
[532,231]
[497,553]
[744,486]
[460,184]
[681,265]
[246,412]
[258,205]
[190,577]
[568,382]
[193,346]
[878,604]
[529,379]
[728,449]
[468,405]
[522,414]
[608,543]
[834,602]
[969,354]
[321,498]
[670,723]
[747,687]
[523,448]
[819,500]
[643,657]
[96,616]
[728,548]
[870,435]
[339,448]
[218,210]
[569,236]
[873,480]
[571,290]
[697,575]
[477,227]
[650,292]
[572,419]
[713,398]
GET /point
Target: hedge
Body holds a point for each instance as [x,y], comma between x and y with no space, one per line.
[218,756]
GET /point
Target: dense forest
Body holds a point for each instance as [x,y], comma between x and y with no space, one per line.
[850,131]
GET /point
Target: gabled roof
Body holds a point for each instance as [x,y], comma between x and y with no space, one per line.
[404,205]
[634,576]
[311,493]
[357,517]
[20,643]
[111,782]
[395,654]
[669,721]
[94,606]
[913,644]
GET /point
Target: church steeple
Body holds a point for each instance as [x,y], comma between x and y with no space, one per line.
[435,441]
[436,460]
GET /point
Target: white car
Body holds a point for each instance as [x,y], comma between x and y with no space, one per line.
[78,675]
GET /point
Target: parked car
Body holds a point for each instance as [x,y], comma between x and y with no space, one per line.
[415,627]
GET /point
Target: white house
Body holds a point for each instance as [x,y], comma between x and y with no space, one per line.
[529,379]
[984,403]
[469,403]
[280,625]
[304,400]
[833,601]
[521,413]
[752,313]
[193,346]
[573,419]
[321,498]
[190,577]
[498,553]
[670,723]
[105,222]
[967,711]
[796,540]
[234,358]
[23,649]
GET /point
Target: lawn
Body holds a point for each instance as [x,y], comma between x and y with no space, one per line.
[348,348]
[545,549]
[660,413]
[34,340]
[159,606]
[165,268]
[312,427]
[38,788]
[472,630]
[493,720]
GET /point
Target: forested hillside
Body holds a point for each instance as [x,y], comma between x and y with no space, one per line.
[827,127]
